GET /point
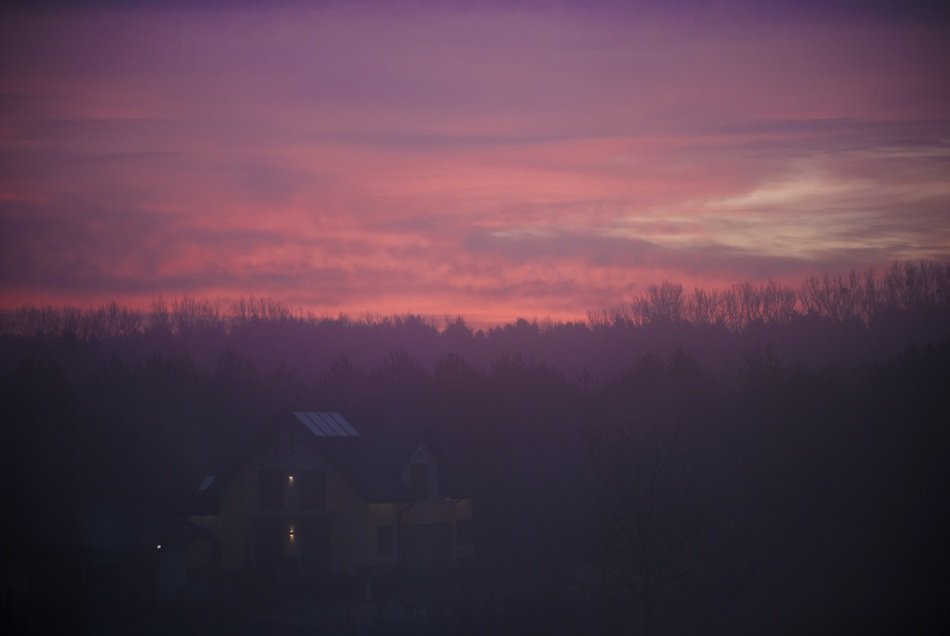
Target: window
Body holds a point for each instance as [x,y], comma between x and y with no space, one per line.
[272,484]
[419,480]
[313,490]
[385,541]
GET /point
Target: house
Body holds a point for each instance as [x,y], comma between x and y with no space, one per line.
[310,495]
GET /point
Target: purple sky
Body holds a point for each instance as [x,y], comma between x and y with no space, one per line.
[537,160]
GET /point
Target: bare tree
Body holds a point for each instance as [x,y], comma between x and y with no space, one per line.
[909,285]
[704,308]
[835,297]
[660,304]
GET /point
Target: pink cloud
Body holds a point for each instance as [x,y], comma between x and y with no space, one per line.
[499,163]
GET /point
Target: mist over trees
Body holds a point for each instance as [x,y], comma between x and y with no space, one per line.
[758,457]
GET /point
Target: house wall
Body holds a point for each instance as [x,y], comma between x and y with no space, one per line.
[434,508]
[351,523]
[442,511]
[416,513]
[344,514]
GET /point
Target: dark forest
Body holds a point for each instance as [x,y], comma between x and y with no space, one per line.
[759,459]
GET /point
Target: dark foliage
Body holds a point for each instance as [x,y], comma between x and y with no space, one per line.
[785,472]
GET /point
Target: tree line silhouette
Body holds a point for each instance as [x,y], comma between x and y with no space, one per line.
[845,298]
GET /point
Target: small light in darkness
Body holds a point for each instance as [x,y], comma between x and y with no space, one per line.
[290,479]
[158,546]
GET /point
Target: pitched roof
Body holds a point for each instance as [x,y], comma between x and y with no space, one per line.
[371,463]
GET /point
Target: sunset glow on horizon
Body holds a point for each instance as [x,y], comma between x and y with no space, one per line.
[493,162]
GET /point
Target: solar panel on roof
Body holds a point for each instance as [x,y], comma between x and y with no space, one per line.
[340,424]
[329,424]
[306,421]
[315,424]
[326,424]
[320,422]
[346,426]
[349,427]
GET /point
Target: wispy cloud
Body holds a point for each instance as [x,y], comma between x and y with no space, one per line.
[533,160]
